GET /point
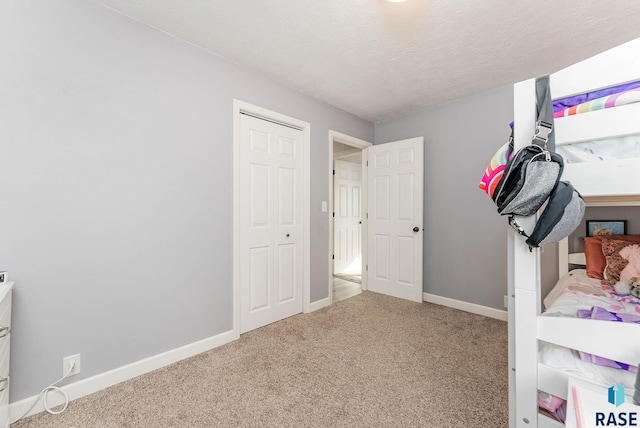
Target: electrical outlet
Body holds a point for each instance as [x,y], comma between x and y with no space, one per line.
[506,301]
[68,361]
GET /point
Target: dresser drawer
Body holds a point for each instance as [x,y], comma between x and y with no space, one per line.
[5,319]
[4,359]
[5,315]
[4,406]
[5,348]
[4,379]
[4,394]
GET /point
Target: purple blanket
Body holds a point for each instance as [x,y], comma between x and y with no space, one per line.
[598,313]
[563,103]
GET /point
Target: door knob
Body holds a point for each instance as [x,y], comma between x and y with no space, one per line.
[287,235]
[416,229]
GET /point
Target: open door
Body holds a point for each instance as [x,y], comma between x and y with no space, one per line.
[347,193]
[395,222]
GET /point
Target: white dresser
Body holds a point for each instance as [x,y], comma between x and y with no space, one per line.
[5,343]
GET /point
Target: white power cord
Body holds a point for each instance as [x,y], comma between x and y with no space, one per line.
[45,392]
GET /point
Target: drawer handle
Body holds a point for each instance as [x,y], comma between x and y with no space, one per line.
[4,381]
[4,331]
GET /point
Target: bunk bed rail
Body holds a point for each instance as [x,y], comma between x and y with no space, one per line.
[608,68]
[595,337]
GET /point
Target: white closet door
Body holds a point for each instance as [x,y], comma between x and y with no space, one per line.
[271,276]
[347,195]
[395,180]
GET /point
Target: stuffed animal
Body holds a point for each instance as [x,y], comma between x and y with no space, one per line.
[634,287]
[629,288]
[632,269]
[622,288]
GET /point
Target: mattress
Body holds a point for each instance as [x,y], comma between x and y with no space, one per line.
[626,147]
[575,291]
[606,149]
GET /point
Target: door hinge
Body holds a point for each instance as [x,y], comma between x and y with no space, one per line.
[333,214]
[367,268]
[334,172]
[333,256]
[367,163]
[367,215]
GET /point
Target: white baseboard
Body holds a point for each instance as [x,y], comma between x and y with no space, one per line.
[104,380]
[466,306]
[319,304]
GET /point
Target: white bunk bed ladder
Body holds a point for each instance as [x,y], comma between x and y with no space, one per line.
[524,287]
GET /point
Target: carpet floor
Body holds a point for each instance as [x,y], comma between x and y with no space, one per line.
[368,361]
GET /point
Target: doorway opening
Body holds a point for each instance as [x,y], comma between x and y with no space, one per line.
[347,247]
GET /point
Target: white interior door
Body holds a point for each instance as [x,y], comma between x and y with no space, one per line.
[347,195]
[271,224]
[395,181]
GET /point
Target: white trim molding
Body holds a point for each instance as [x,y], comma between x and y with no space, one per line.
[319,304]
[104,380]
[466,306]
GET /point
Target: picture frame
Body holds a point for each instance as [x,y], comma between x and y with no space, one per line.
[606,227]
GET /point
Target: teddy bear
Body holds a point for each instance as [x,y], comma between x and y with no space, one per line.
[629,283]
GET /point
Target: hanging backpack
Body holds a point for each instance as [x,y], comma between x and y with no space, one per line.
[531,177]
[561,216]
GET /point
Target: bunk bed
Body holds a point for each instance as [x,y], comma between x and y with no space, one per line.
[603,181]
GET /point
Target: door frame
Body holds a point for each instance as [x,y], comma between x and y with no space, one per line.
[361,144]
[240,107]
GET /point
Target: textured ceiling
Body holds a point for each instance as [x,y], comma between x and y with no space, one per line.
[380,60]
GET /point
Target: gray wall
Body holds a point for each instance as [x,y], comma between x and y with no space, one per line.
[465,240]
[116,186]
